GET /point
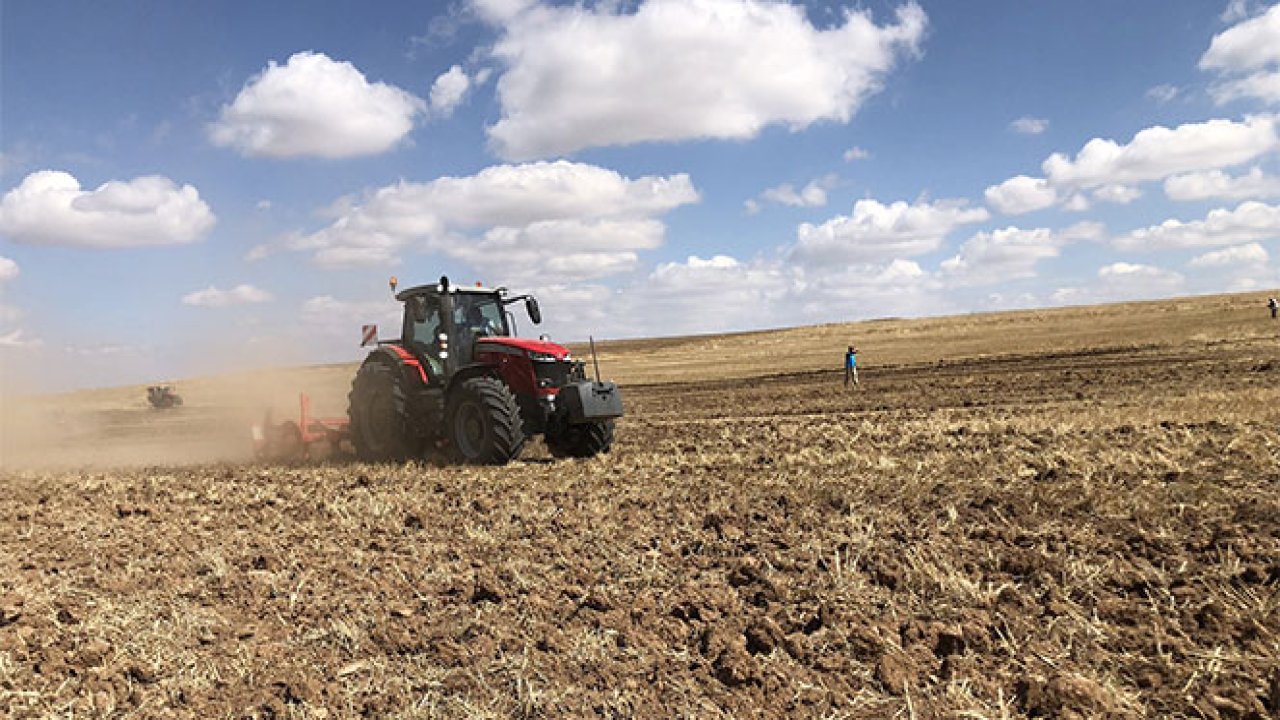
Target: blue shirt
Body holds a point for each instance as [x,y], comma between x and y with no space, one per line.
[851,359]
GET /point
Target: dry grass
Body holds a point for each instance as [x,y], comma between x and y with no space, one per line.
[1080,524]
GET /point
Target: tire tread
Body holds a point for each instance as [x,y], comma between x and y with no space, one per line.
[503,415]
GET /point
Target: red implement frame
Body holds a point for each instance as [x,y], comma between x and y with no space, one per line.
[300,440]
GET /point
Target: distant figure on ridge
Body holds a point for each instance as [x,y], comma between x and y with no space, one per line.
[1274,305]
[851,366]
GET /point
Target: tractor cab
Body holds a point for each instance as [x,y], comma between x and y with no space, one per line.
[442,323]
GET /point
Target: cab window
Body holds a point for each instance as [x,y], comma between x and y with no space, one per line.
[479,316]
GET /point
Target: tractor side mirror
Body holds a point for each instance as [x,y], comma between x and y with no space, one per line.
[418,306]
[535,313]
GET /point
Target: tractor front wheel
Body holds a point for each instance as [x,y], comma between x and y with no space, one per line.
[484,422]
[379,412]
[580,441]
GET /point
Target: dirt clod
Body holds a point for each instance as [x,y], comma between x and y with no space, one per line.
[1064,695]
[487,589]
[896,672]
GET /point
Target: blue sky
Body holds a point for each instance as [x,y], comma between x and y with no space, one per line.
[186,188]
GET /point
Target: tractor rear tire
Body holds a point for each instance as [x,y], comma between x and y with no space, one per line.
[379,413]
[581,441]
[484,423]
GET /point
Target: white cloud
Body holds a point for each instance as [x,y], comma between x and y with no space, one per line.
[448,90]
[1076,203]
[1000,255]
[1254,184]
[1118,194]
[1085,230]
[1021,194]
[813,194]
[577,77]
[1246,57]
[1123,281]
[722,293]
[343,318]
[875,232]
[1011,253]
[1235,11]
[323,307]
[50,208]
[259,252]
[1113,171]
[1145,273]
[559,221]
[855,153]
[501,11]
[1250,221]
[1251,254]
[8,269]
[348,256]
[1264,86]
[561,250]
[315,106]
[1028,125]
[18,339]
[862,290]
[238,295]
[1157,152]
[1251,44]
[1164,93]
[574,311]
[103,350]
[700,295]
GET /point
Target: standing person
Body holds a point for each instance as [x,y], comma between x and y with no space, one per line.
[1274,305]
[851,366]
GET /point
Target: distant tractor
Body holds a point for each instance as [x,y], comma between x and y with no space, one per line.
[163,397]
[458,379]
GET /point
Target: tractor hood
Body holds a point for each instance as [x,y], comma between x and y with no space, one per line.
[559,352]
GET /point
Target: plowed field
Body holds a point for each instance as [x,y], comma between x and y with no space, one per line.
[1079,523]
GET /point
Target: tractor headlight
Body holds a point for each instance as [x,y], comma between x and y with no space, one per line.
[541,357]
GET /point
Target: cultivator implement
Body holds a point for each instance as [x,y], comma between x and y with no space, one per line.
[310,438]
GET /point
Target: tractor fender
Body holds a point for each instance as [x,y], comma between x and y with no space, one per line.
[397,357]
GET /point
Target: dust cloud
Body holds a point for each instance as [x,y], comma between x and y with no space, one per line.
[117,427]
[229,380]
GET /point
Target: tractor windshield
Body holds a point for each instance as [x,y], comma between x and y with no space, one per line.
[479,314]
[476,316]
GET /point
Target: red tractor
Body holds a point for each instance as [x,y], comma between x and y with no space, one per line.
[459,379]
